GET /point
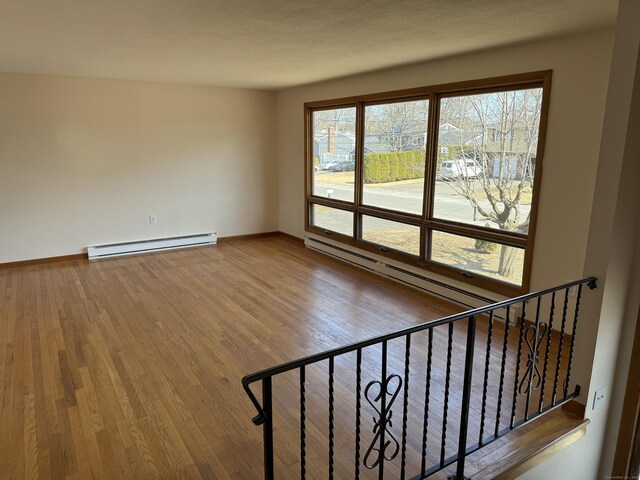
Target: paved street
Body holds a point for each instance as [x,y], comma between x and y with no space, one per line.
[407,197]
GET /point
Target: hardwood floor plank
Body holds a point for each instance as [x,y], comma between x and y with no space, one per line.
[79,443]
[31,470]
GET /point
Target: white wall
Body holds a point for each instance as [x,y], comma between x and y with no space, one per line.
[613,255]
[580,71]
[85,161]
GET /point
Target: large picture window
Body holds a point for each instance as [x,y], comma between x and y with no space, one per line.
[445,177]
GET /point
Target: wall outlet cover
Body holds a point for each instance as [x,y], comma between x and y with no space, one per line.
[599,397]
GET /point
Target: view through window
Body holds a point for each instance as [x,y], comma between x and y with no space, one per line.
[461,203]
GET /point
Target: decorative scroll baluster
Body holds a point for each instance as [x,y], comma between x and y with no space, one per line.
[407,358]
[358,409]
[573,341]
[532,357]
[486,378]
[546,354]
[383,410]
[505,344]
[531,379]
[446,395]
[559,360]
[518,359]
[303,443]
[388,389]
[384,450]
[331,408]
[427,391]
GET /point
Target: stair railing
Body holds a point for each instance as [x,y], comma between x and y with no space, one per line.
[517,365]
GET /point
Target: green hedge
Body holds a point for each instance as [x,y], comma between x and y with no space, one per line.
[391,167]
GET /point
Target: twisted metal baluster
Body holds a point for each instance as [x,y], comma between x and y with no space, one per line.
[446,395]
[331,408]
[573,340]
[505,344]
[407,357]
[486,378]
[519,358]
[426,403]
[546,353]
[559,360]
[303,443]
[383,409]
[358,412]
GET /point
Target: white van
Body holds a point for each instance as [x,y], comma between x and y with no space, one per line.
[459,168]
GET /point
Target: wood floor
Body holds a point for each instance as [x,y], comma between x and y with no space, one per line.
[131,367]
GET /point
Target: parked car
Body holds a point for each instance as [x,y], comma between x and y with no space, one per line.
[328,165]
[459,168]
[344,167]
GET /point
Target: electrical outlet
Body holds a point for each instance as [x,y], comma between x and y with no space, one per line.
[572,291]
[153,219]
[599,397]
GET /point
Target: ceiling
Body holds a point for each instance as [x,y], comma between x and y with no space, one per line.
[269,44]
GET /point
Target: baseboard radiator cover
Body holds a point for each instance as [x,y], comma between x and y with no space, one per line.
[145,246]
[399,274]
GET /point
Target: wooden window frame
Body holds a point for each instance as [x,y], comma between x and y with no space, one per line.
[426,222]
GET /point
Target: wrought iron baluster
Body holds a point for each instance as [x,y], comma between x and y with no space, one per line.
[303,443]
[267,408]
[446,395]
[532,362]
[546,354]
[486,378]
[407,358]
[387,391]
[331,408]
[573,341]
[518,359]
[358,411]
[383,410]
[466,397]
[505,344]
[559,360]
[425,426]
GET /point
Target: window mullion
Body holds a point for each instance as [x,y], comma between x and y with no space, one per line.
[359,165]
[430,173]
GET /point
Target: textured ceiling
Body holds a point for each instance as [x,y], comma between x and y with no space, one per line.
[268,43]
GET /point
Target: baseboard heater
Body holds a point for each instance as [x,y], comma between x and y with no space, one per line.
[426,284]
[154,245]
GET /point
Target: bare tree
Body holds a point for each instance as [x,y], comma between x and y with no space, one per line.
[338,119]
[398,126]
[500,132]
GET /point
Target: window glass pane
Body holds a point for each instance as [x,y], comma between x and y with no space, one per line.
[487,146]
[478,256]
[399,236]
[395,140]
[333,219]
[334,153]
